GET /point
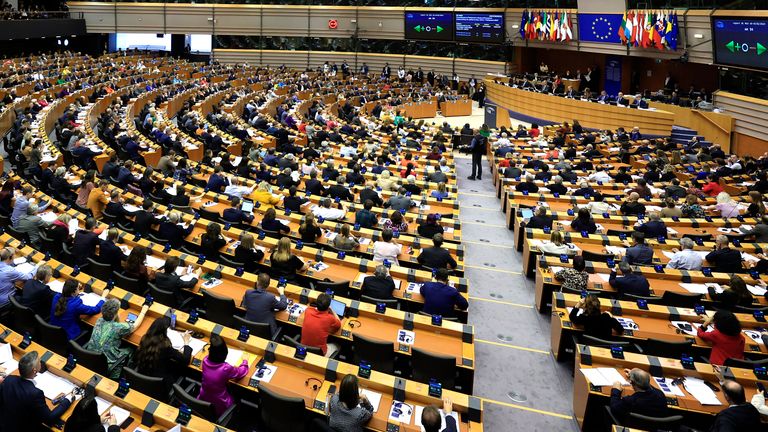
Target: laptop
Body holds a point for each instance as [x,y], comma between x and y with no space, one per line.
[338,307]
[247,206]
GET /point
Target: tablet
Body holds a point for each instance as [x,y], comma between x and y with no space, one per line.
[247,206]
[338,307]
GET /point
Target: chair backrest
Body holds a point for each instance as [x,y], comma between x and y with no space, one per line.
[162,296]
[50,245]
[108,218]
[153,387]
[590,256]
[99,270]
[155,239]
[219,309]
[257,329]
[671,298]
[662,348]
[750,309]
[295,343]
[746,364]
[209,215]
[379,354]
[339,288]
[391,303]
[52,337]
[223,260]
[128,283]
[593,341]
[17,234]
[454,319]
[281,413]
[649,299]
[569,290]
[93,360]
[321,425]
[23,317]
[658,424]
[427,365]
[198,406]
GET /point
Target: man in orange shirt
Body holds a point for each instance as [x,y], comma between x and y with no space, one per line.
[319,322]
[98,199]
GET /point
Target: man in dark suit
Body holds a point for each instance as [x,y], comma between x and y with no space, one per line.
[340,191]
[110,253]
[725,259]
[431,419]
[115,207]
[441,298]
[629,283]
[145,218]
[36,294]
[645,400]
[654,228]
[380,285]
[22,405]
[437,257]
[260,305]
[216,182]
[235,215]
[84,244]
[368,193]
[172,231]
[168,280]
[740,414]
[313,185]
[540,219]
[639,252]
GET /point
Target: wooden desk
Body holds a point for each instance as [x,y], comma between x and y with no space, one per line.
[456,108]
[590,114]
[418,110]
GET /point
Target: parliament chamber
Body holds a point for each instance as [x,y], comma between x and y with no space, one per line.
[348,215]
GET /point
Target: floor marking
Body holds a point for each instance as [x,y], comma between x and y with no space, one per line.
[486,244]
[477,194]
[483,223]
[525,408]
[492,269]
[522,348]
[501,302]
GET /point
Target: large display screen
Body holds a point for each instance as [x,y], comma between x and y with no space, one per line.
[143,41]
[480,27]
[740,41]
[429,25]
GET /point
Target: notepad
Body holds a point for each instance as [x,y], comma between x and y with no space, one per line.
[604,276]
[90,299]
[52,386]
[603,376]
[48,216]
[25,268]
[417,418]
[234,357]
[177,342]
[373,397]
[154,262]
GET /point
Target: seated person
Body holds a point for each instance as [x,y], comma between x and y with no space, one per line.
[380,285]
[169,280]
[283,263]
[319,322]
[325,211]
[67,308]
[723,258]
[212,241]
[365,217]
[631,207]
[639,252]
[686,258]
[441,298]
[540,219]
[630,282]
[644,400]
[556,245]
[654,228]
[596,323]
[236,215]
[557,187]
[156,357]
[584,222]
[247,254]
[108,333]
[528,185]
[260,305]
[270,223]
[437,257]
[344,241]
[36,294]
[173,231]
[430,227]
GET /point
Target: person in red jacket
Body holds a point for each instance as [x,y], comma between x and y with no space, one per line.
[726,339]
[319,322]
[712,188]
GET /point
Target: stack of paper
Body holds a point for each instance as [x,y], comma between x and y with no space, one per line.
[320,266]
[603,376]
[699,390]
[52,385]
[90,299]
[25,268]
[666,386]
[120,414]
[616,250]
[400,412]
[178,342]
[6,359]
[234,357]
[756,290]
[555,269]
[154,262]
[48,216]
[695,288]
[373,397]
[56,285]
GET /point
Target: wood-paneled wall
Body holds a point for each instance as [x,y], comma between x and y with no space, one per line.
[750,127]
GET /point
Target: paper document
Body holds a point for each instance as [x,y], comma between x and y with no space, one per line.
[6,359]
[400,412]
[628,323]
[102,405]
[268,371]
[120,414]
[756,290]
[48,216]
[666,386]
[56,285]
[373,397]
[73,226]
[25,268]
[234,357]
[178,342]
[685,327]
[130,208]
[754,335]
[90,299]
[699,390]
[52,385]
[604,276]
[603,376]
[616,250]
[154,262]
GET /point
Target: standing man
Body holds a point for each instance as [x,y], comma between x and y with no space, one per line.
[478,146]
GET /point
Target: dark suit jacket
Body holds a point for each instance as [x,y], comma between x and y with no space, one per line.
[650,403]
[249,257]
[110,254]
[22,406]
[314,187]
[260,306]
[436,257]
[38,296]
[725,260]
[379,288]
[634,284]
[172,282]
[653,229]
[143,221]
[174,233]
[640,254]
[743,417]
[84,245]
[235,215]
[539,222]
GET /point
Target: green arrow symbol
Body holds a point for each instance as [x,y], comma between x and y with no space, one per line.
[730,46]
[439,29]
[760,48]
[417,28]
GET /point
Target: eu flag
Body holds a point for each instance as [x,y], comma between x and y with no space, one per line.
[599,28]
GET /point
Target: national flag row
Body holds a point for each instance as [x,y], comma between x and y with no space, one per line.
[649,29]
[551,25]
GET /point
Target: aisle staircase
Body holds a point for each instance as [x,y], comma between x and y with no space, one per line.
[682,135]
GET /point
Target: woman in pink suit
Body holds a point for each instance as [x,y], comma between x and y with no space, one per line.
[217,373]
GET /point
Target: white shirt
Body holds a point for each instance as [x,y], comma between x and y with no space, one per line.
[386,251]
[238,191]
[329,213]
[601,176]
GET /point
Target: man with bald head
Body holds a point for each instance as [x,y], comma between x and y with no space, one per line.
[723,258]
[644,400]
[631,206]
[740,415]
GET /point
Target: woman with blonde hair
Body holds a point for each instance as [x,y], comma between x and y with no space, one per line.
[726,205]
[441,192]
[284,263]
[676,158]
[263,195]
[385,181]
[756,207]
[309,230]
[556,245]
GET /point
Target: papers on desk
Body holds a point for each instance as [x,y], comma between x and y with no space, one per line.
[212,283]
[102,405]
[296,309]
[154,262]
[73,226]
[120,414]
[178,342]
[19,261]
[406,336]
[756,290]
[412,287]
[400,412]
[628,323]
[171,190]
[699,390]
[754,335]
[417,419]
[234,357]
[237,160]
[90,299]
[603,376]
[320,266]
[48,216]
[330,235]
[666,386]
[606,277]
[53,386]
[747,257]
[364,240]
[130,208]
[616,250]
[555,269]
[6,359]
[25,267]
[209,204]
[268,371]
[697,288]
[373,397]
[56,285]
[671,231]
